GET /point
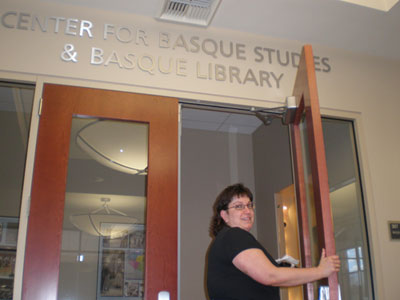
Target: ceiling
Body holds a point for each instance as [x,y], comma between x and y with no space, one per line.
[331,23]
[219,121]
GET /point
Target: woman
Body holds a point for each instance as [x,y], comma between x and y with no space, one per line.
[239,268]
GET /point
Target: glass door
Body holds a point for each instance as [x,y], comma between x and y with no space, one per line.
[16,102]
[103,217]
[311,177]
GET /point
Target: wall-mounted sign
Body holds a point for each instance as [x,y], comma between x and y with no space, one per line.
[141,51]
[394,229]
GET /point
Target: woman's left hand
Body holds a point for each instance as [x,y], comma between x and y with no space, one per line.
[328,264]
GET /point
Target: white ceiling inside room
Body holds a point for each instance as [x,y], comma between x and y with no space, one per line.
[219,121]
[330,23]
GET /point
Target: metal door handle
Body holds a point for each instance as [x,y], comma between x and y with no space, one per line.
[163,295]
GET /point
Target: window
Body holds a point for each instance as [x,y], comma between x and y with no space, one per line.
[15,115]
[350,229]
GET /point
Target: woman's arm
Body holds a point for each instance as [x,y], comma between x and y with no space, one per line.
[255,264]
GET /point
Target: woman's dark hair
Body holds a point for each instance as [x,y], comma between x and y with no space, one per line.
[222,202]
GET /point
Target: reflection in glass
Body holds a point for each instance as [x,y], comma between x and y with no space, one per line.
[100,138]
[308,183]
[15,115]
[347,209]
[103,240]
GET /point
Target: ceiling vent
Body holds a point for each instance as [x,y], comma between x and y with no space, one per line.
[195,12]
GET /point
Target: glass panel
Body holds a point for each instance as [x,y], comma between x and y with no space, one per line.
[347,209]
[15,115]
[308,181]
[103,240]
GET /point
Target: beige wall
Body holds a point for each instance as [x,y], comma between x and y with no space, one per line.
[358,87]
[272,167]
[206,169]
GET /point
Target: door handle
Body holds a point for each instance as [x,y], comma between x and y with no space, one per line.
[163,295]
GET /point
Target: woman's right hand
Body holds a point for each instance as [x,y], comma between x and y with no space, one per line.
[328,265]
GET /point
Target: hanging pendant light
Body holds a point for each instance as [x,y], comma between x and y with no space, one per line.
[104,221]
[121,146]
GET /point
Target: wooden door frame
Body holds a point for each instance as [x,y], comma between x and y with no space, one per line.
[60,104]
[306,94]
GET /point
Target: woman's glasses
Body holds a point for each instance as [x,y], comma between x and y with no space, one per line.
[241,206]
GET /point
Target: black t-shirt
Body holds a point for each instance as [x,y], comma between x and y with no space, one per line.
[224,280]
